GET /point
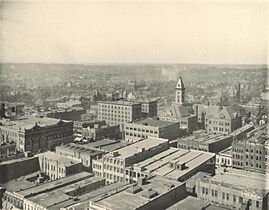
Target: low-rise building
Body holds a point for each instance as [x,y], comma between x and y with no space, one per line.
[181,114]
[224,158]
[173,163]
[235,189]
[205,141]
[135,131]
[15,168]
[97,132]
[242,132]
[112,166]
[69,114]
[36,134]
[223,120]
[57,166]
[82,152]
[51,199]
[18,191]
[158,193]
[194,203]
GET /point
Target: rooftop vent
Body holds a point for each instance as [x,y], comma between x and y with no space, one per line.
[134,189]
[150,193]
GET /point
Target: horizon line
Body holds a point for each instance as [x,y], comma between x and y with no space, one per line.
[136,63]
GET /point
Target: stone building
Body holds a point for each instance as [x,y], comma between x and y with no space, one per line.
[235,189]
[112,165]
[119,112]
[58,166]
[252,153]
[180,111]
[36,134]
[141,129]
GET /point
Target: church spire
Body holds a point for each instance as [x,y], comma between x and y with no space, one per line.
[180,92]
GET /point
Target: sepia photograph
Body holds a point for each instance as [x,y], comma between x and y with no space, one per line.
[134,105]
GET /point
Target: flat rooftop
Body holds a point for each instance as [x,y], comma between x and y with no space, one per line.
[242,129]
[82,201]
[82,148]
[226,151]
[55,184]
[29,121]
[154,123]
[128,201]
[17,160]
[242,179]
[62,159]
[137,147]
[120,102]
[204,137]
[56,196]
[101,143]
[194,203]
[100,146]
[17,185]
[159,164]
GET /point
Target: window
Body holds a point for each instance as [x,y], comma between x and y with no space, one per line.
[203,190]
[234,198]
[257,204]
[227,196]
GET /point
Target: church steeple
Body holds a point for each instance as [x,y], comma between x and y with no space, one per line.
[180,92]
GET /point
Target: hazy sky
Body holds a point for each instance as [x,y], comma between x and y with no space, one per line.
[136,32]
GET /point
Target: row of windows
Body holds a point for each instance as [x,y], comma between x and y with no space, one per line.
[257,165]
[135,135]
[96,166]
[113,161]
[114,107]
[115,119]
[219,123]
[119,112]
[113,177]
[221,129]
[113,168]
[227,196]
[141,129]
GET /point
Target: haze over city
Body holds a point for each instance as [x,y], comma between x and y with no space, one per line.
[134,32]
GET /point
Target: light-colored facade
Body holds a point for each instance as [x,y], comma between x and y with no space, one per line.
[224,158]
[113,165]
[223,120]
[235,189]
[81,152]
[141,129]
[58,166]
[180,92]
[180,111]
[173,163]
[119,112]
